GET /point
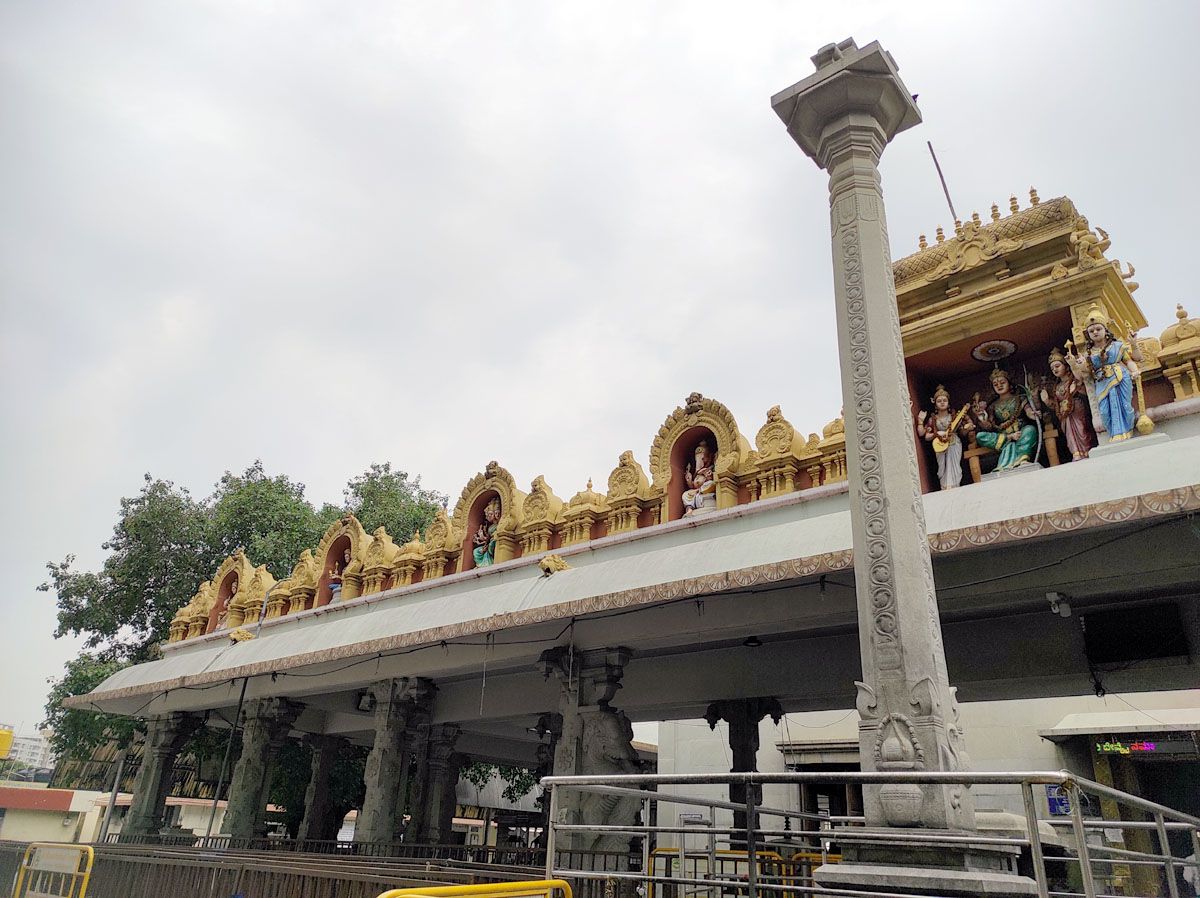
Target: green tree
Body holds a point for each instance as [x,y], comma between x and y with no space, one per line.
[381,497]
[78,733]
[267,516]
[159,553]
[164,544]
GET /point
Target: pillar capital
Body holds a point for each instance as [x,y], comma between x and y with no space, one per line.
[854,100]
[442,739]
[276,712]
[594,675]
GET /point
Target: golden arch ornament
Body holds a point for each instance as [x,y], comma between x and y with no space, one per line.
[512,501]
[358,538]
[732,450]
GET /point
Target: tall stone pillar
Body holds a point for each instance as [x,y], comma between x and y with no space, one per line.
[842,117]
[445,765]
[318,805]
[396,702]
[596,739]
[267,724]
[165,736]
[743,716]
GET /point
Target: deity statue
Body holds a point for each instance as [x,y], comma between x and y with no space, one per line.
[981,418]
[1109,364]
[224,615]
[484,552]
[335,575]
[701,493]
[940,429]
[1070,406]
[1007,430]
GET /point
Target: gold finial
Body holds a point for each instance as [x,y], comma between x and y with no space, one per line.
[941,236]
[1180,312]
[958,227]
[922,243]
[995,212]
[589,486]
[1012,204]
[975,218]
[1033,197]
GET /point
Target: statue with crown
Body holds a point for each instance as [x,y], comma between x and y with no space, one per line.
[1009,428]
[1109,364]
[940,429]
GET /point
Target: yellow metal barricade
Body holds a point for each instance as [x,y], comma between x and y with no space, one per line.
[536,888]
[54,870]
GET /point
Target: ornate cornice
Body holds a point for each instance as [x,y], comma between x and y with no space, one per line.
[1159,504]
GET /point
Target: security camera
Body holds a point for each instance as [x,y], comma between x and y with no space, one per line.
[1058,604]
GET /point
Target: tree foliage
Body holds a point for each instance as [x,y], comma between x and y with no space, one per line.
[381,497]
[518,781]
[77,733]
[159,553]
[165,543]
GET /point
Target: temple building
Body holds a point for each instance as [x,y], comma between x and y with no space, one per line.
[1059,458]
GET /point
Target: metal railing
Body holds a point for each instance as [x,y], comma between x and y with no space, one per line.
[782,850]
[476,854]
[148,871]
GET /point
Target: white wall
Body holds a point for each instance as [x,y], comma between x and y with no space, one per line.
[1001,736]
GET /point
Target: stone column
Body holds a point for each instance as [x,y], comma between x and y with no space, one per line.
[743,717]
[318,804]
[267,724]
[165,736]
[842,117]
[445,765]
[596,739]
[396,703]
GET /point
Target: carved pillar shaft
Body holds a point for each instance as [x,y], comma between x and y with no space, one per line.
[165,736]
[444,766]
[318,803]
[267,724]
[843,116]
[396,703]
[595,738]
[743,717]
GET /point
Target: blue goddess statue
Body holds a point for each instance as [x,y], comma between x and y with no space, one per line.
[1109,365]
[1009,428]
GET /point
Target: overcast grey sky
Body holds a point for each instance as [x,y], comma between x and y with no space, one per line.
[331,234]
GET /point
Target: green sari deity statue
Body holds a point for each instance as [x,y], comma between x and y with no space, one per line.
[484,540]
[1008,432]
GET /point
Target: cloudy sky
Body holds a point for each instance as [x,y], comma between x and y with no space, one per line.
[331,234]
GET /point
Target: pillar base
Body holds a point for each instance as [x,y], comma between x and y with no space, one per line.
[966,870]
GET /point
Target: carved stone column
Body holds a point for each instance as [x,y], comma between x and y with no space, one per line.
[842,117]
[396,702]
[165,736]
[445,765]
[318,804]
[267,724]
[418,789]
[596,739]
[743,717]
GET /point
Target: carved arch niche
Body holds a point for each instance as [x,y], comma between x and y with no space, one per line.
[346,535]
[230,585]
[699,418]
[494,483]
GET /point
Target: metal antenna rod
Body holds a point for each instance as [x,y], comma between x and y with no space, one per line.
[942,178]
